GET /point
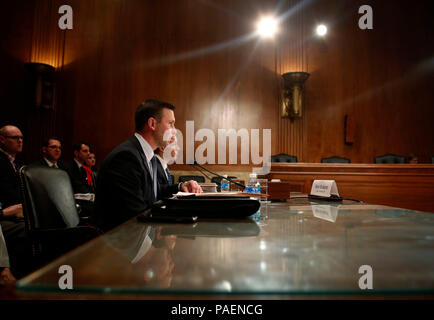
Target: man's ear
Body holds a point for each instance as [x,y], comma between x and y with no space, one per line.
[75,154]
[152,123]
[44,150]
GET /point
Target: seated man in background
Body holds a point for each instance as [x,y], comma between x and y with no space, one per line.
[164,176]
[11,144]
[127,179]
[82,178]
[51,153]
[79,173]
[11,211]
[91,163]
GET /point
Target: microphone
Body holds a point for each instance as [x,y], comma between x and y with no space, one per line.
[203,173]
[217,175]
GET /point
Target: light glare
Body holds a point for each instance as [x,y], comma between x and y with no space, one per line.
[321,30]
[267,27]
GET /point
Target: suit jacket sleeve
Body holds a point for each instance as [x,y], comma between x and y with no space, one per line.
[128,184]
[167,190]
[10,193]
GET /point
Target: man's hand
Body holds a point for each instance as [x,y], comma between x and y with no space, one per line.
[6,277]
[191,186]
[13,211]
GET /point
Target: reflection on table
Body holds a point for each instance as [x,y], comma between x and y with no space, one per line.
[295,247]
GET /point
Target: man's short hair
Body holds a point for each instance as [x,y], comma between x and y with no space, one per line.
[77,146]
[150,108]
[46,142]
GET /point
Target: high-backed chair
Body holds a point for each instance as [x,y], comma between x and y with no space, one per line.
[335,159]
[389,158]
[283,157]
[50,212]
[199,179]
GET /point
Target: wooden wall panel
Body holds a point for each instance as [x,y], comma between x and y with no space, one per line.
[122,52]
[31,34]
[381,77]
[131,57]
[16,23]
[399,185]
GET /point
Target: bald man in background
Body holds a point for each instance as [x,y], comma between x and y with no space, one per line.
[11,211]
[11,144]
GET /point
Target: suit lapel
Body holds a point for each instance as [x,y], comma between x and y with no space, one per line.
[162,172]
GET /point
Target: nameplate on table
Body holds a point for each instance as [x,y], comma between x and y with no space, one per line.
[324,188]
[325,212]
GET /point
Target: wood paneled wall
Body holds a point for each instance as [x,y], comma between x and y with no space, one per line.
[192,53]
[381,77]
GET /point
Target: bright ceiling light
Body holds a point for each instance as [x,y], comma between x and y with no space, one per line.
[267,27]
[321,30]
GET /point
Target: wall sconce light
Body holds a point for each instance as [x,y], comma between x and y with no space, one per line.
[40,85]
[292,94]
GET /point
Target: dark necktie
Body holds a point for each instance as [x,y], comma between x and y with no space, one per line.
[169,177]
[154,175]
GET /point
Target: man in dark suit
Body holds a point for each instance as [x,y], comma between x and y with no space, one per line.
[11,211]
[51,153]
[127,179]
[164,176]
[82,179]
[11,143]
[163,173]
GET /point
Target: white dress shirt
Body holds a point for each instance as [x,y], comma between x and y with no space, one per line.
[50,164]
[147,149]
[78,163]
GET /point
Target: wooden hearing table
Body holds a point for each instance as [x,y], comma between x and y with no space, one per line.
[290,249]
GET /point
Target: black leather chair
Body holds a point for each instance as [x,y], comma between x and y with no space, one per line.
[50,213]
[389,158]
[283,157]
[199,179]
[335,159]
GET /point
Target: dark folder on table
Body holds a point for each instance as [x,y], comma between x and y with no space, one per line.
[203,207]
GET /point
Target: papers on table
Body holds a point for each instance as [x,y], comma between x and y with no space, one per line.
[85,196]
[219,194]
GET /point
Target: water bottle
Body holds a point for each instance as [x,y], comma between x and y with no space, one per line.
[253,185]
[224,184]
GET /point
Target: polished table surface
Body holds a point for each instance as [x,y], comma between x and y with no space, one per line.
[297,247]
